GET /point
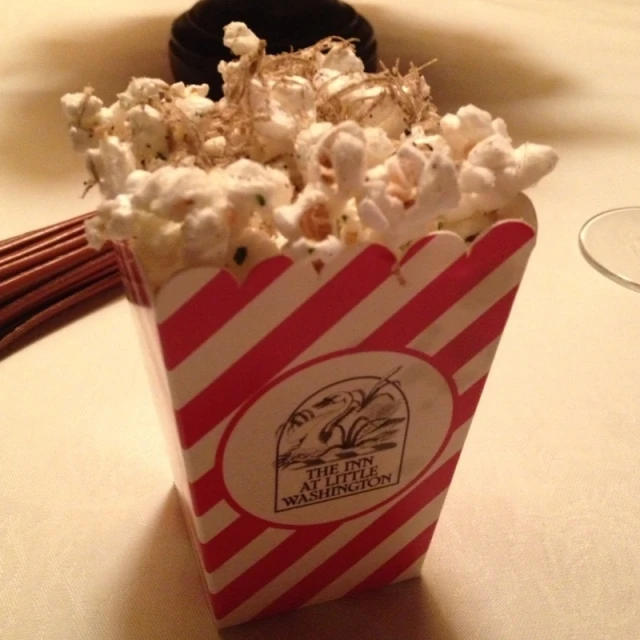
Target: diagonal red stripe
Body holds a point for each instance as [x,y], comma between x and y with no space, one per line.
[416,247]
[283,344]
[467,403]
[207,491]
[230,541]
[398,563]
[205,315]
[212,307]
[475,337]
[444,291]
[364,542]
[269,567]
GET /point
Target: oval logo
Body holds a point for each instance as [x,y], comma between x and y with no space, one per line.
[337,437]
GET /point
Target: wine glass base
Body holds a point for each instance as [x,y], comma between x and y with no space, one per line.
[610,241]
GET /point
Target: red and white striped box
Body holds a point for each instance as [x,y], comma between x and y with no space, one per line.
[315,420]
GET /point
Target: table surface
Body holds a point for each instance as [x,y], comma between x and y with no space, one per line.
[540,536]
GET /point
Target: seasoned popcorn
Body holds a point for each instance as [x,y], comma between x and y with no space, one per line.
[305,154]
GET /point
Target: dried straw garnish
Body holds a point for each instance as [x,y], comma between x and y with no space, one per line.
[403,89]
[235,122]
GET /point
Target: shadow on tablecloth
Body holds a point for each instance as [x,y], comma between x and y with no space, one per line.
[484,68]
[161,593]
[402,611]
[161,596]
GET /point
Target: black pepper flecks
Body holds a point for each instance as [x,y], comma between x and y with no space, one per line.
[240,255]
[261,199]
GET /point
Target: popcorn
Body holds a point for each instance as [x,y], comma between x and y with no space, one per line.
[427,143]
[305,155]
[403,173]
[288,164]
[469,224]
[374,106]
[339,160]
[195,107]
[114,121]
[173,193]
[306,143]
[469,126]
[141,92]
[318,253]
[281,107]
[379,210]
[333,82]
[84,114]
[252,187]
[95,232]
[378,145]
[110,165]
[158,248]
[381,110]
[310,216]
[138,185]
[351,229]
[119,218]
[182,90]
[296,94]
[495,172]
[416,190]
[438,188]
[249,249]
[534,162]
[343,60]
[228,71]
[206,235]
[240,39]
[215,147]
[149,134]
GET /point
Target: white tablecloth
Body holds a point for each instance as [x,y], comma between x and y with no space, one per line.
[540,536]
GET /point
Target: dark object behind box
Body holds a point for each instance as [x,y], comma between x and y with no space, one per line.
[196,47]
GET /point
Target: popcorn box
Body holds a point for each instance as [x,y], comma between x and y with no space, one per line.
[315,420]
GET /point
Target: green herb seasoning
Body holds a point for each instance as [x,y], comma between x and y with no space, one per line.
[240,255]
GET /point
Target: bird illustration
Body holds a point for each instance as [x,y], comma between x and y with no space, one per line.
[344,420]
